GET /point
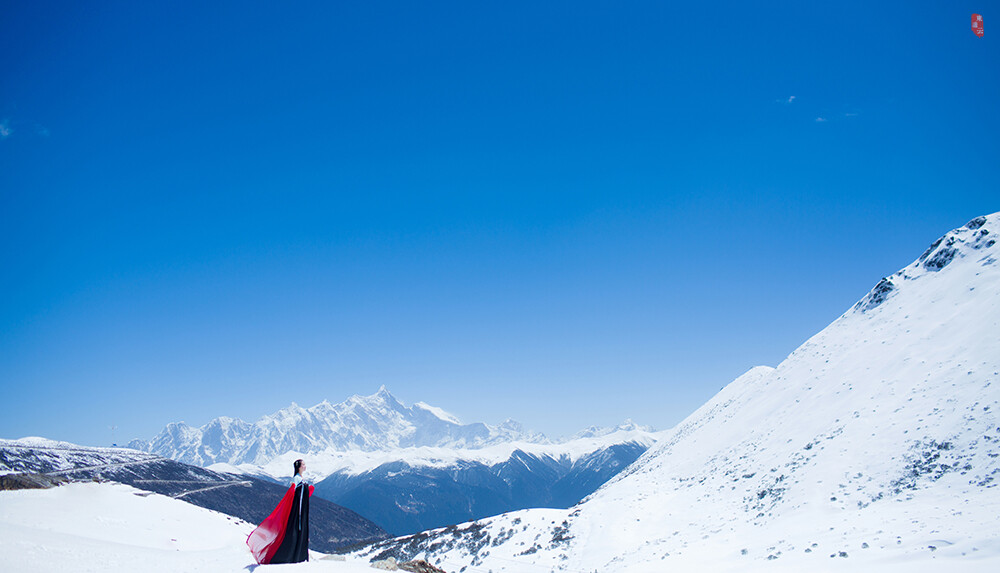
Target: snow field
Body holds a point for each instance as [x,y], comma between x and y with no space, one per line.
[111,528]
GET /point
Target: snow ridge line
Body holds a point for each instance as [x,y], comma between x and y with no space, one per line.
[227,484]
[99,466]
[78,450]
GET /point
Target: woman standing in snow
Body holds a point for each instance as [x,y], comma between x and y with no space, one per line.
[284,536]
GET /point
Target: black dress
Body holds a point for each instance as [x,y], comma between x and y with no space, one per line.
[294,547]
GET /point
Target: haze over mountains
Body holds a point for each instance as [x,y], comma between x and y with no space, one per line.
[361,423]
[875,446]
[409,468]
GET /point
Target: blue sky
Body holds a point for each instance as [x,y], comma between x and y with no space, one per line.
[568,213]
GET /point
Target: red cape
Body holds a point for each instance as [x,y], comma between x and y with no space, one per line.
[266,539]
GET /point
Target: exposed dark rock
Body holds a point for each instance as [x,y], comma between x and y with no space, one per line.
[419,566]
[929,461]
[942,257]
[930,249]
[976,223]
[470,536]
[982,239]
[560,535]
[876,296]
[974,235]
[30,481]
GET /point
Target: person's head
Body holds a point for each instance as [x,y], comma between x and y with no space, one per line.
[299,466]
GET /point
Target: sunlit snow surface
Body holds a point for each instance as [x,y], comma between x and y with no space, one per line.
[873,446]
[112,528]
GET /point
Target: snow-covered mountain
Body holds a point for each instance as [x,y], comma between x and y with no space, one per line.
[599,432]
[361,423]
[332,461]
[413,489]
[409,468]
[873,446]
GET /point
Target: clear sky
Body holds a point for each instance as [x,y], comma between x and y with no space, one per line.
[564,212]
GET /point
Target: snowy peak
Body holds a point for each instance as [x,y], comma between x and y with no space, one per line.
[382,400]
[977,234]
[512,431]
[599,431]
[439,413]
[975,242]
[361,423]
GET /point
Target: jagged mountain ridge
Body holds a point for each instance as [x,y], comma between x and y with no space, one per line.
[873,446]
[412,494]
[361,423]
[413,489]
[409,468]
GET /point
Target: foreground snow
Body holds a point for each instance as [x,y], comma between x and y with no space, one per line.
[109,528]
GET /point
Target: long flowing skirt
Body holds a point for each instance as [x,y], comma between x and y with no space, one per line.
[294,547]
[283,537]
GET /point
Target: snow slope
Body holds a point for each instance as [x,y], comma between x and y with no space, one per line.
[874,446]
[61,458]
[242,497]
[111,528]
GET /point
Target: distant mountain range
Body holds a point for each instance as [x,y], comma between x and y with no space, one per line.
[413,489]
[409,468]
[361,423]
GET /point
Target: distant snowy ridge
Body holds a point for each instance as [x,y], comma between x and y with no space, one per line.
[874,446]
[409,468]
[330,461]
[361,423]
[628,426]
[412,489]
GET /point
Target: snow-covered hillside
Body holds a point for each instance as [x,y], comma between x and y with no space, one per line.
[41,455]
[361,423]
[114,528]
[874,446]
[242,497]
